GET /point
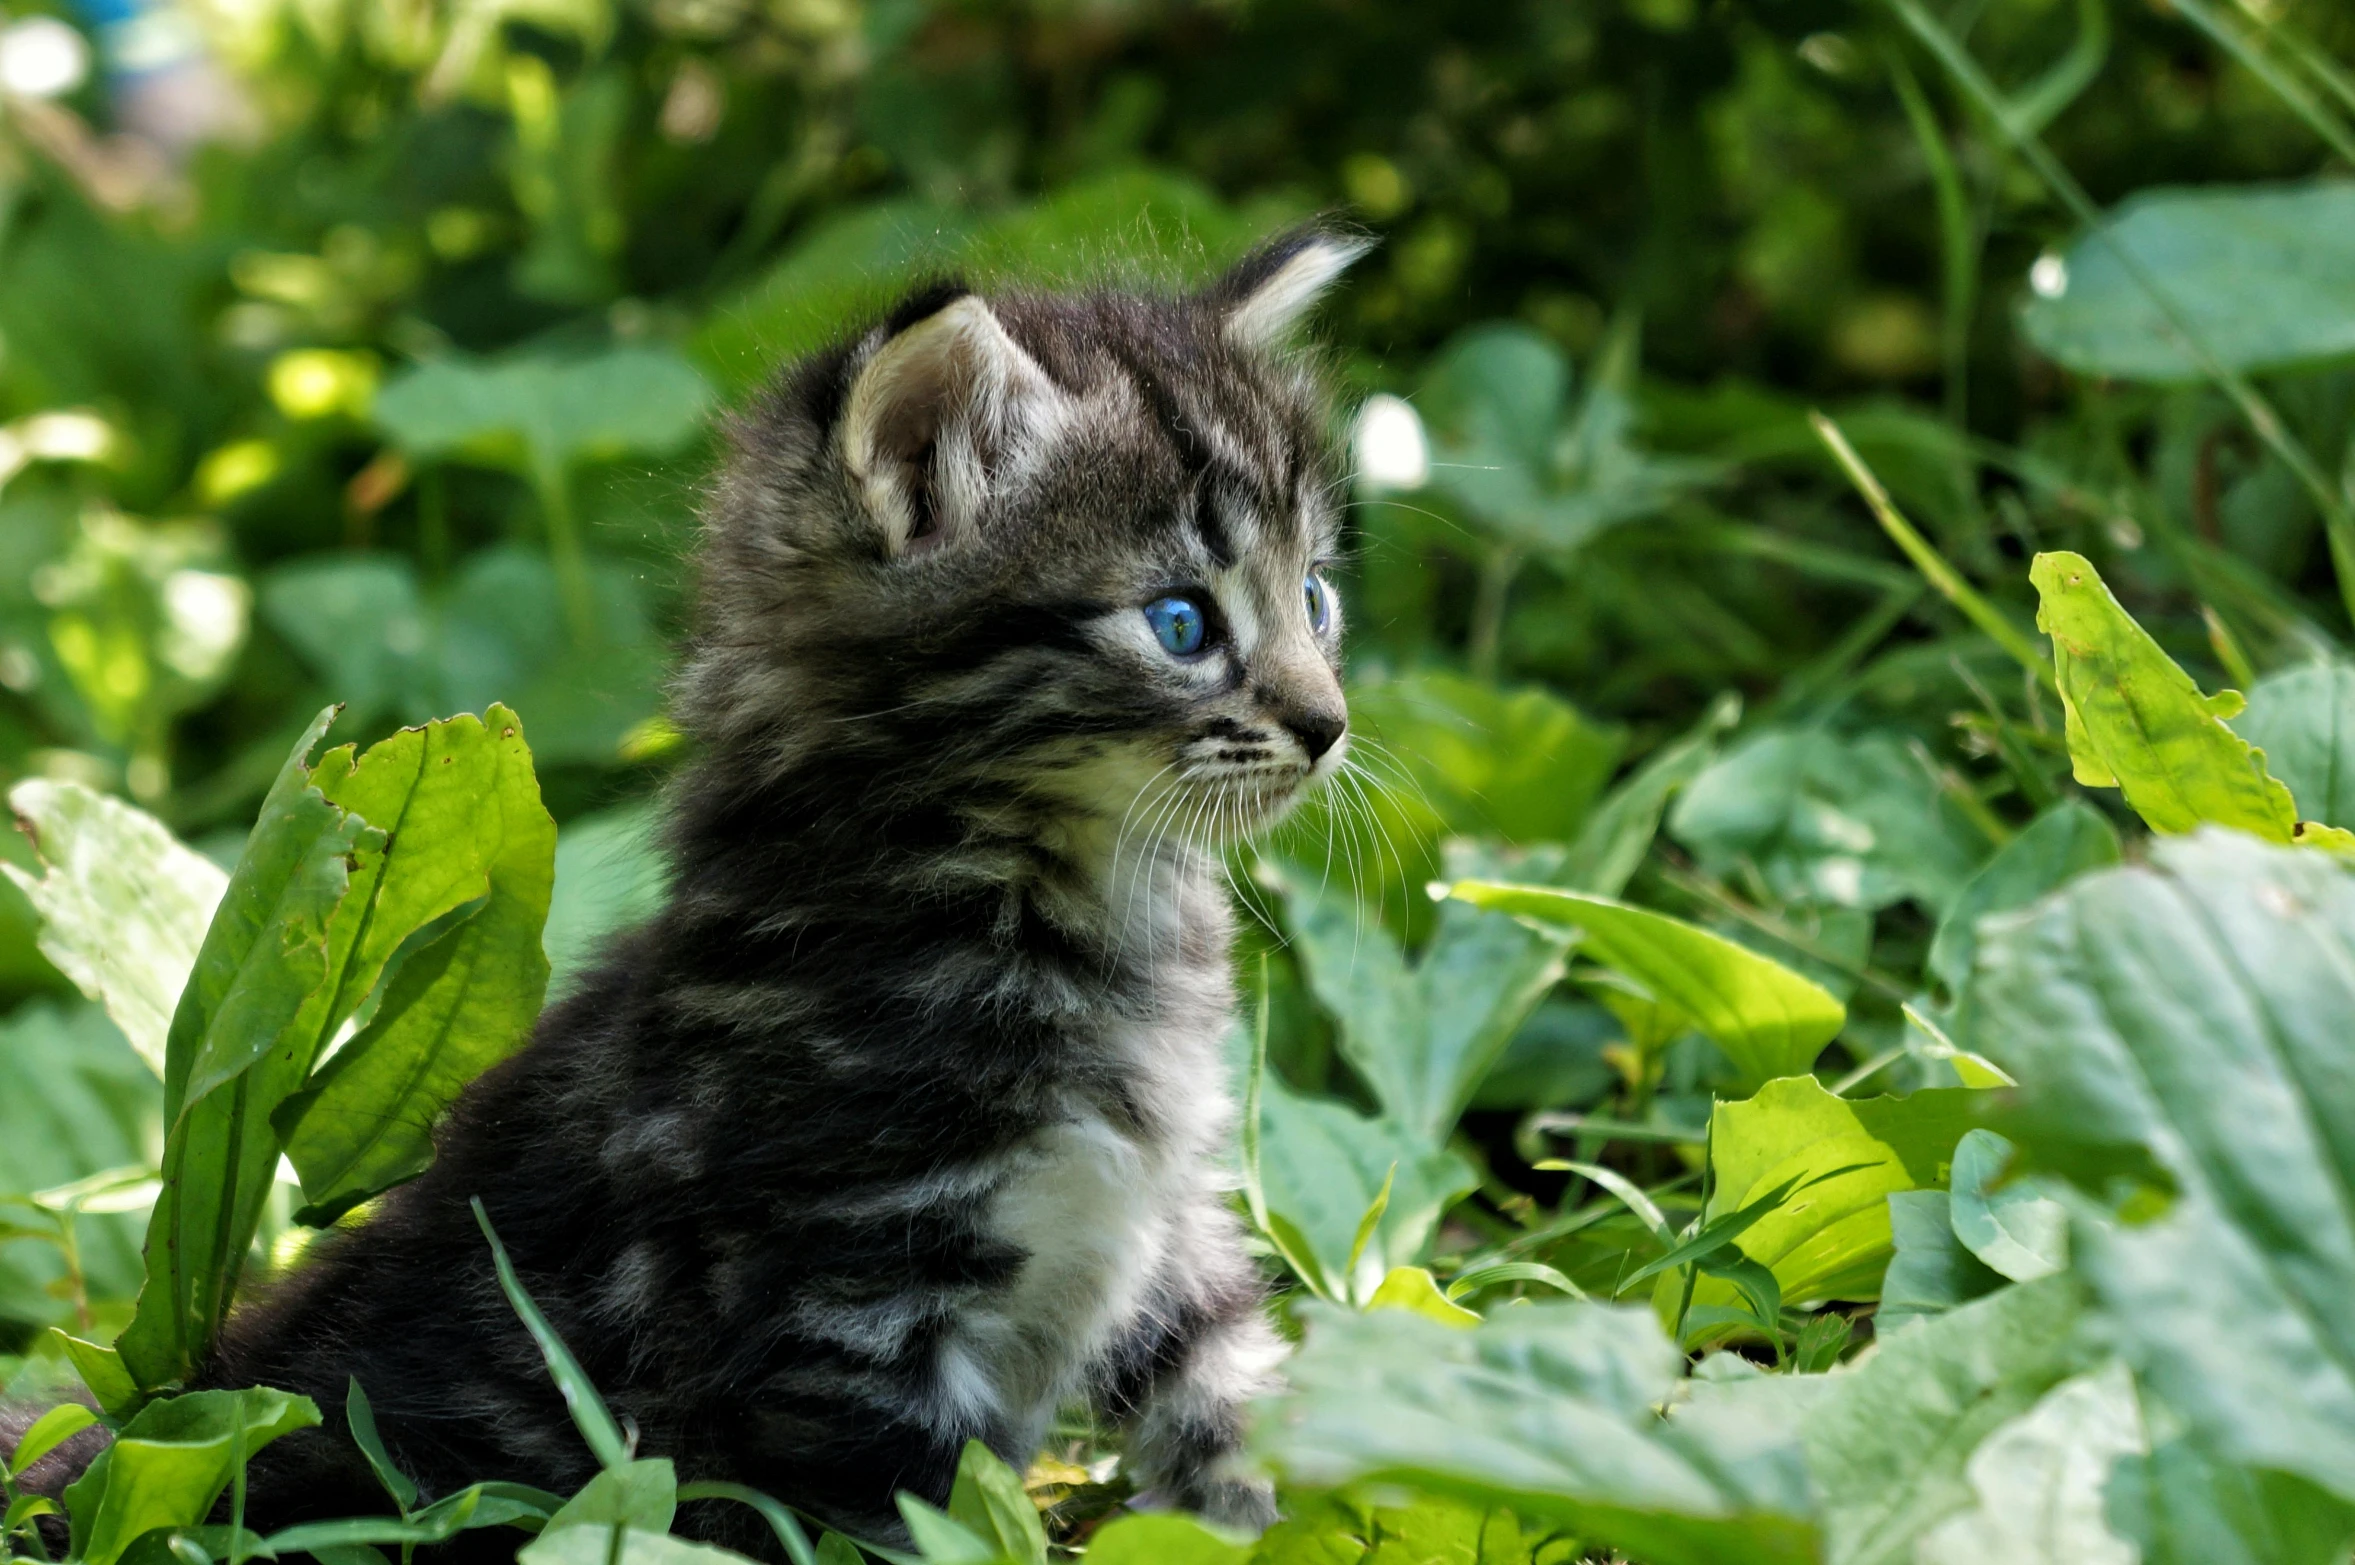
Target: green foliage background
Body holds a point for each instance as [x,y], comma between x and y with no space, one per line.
[396,390]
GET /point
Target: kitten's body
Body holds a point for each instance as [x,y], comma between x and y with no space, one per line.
[901,1124]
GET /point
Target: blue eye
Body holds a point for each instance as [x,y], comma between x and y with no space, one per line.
[1320,603]
[1178,624]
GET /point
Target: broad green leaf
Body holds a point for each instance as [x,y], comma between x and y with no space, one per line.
[75,1102]
[1163,1540]
[2203,246]
[1414,1288]
[2135,720]
[101,1369]
[1549,1410]
[1832,1238]
[541,414]
[123,904]
[171,1461]
[643,1494]
[2038,1479]
[2180,1506]
[1422,1036]
[2184,1025]
[469,828]
[1851,821]
[988,1499]
[1767,1019]
[1483,760]
[1888,1442]
[941,1539]
[249,1024]
[609,877]
[1537,472]
[2013,1228]
[46,1433]
[1388,1527]
[1931,1271]
[635,1546]
[2060,844]
[2304,720]
[1322,1164]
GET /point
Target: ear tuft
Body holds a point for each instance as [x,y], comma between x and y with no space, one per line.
[935,404]
[1268,291]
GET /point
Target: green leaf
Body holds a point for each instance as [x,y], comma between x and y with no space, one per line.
[2183,1026]
[1163,1540]
[101,1369]
[1851,821]
[788,1531]
[468,827]
[1414,1288]
[2062,843]
[1548,1410]
[2180,1506]
[1888,1442]
[75,1104]
[1767,1019]
[46,1433]
[942,1540]
[2136,721]
[2014,1229]
[123,904]
[255,1011]
[1831,1239]
[634,1546]
[2204,245]
[360,1419]
[1619,830]
[609,877]
[643,1494]
[2304,721]
[1422,1036]
[170,1462]
[1930,1271]
[1321,1166]
[589,1413]
[2038,1481]
[1717,1233]
[540,413]
[988,1498]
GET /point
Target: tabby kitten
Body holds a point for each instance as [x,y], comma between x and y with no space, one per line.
[900,1125]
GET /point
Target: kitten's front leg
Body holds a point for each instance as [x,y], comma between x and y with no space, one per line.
[1211,1355]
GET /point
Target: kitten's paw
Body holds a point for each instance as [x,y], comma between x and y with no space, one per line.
[1247,1504]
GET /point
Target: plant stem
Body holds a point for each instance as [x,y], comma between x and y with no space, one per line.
[1485,645]
[1958,238]
[1926,559]
[564,548]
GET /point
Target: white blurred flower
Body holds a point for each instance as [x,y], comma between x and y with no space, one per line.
[2049,276]
[1389,445]
[205,615]
[41,57]
[65,437]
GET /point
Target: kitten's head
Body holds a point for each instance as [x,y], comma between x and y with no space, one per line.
[1056,556]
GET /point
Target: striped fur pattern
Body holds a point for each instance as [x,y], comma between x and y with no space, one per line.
[901,1124]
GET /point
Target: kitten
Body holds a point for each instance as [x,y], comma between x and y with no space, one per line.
[901,1124]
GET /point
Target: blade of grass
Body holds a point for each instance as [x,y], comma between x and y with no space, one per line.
[790,1537]
[1934,566]
[588,1409]
[2261,65]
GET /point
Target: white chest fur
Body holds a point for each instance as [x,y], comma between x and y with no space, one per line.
[1104,1213]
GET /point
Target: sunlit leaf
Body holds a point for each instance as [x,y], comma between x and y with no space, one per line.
[1767,1019]
[988,1499]
[2137,722]
[2013,1228]
[123,904]
[168,1464]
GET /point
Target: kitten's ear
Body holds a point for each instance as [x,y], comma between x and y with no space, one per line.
[931,410]
[1271,288]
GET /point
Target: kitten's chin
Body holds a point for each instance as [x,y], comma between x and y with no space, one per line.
[1243,804]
